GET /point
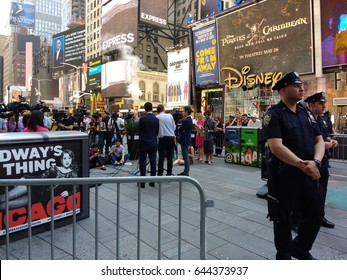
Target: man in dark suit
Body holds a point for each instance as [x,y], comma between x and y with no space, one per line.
[184,138]
[59,53]
[148,143]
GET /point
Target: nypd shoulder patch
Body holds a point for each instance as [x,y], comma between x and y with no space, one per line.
[267,120]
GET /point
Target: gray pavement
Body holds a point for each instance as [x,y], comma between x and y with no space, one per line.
[237,227]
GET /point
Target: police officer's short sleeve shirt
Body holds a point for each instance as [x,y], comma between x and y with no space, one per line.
[297,130]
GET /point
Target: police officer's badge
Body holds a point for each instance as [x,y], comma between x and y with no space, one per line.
[267,119]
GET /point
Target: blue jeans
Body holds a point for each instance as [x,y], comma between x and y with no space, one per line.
[185,157]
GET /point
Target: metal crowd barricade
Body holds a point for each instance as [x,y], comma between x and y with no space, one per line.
[97,182]
[340,152]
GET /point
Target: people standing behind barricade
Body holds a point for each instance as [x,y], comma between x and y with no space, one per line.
[47,123]
[25,118]
[35,122]
[13,123]
[219,137]
[116,127]
[86,121]
[199,138]
[148,130]
[166,138]
[184,138]
[93,130]
[95,158]
[317,103]
[238,118]
[296,150]
[117,153]
[102,133]
[231,121]
[244,120]
[108,136]
[254,122]
[3,126]
[209,130]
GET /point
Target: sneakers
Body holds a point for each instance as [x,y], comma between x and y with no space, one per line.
[103,167]
[116,163]
[210,162]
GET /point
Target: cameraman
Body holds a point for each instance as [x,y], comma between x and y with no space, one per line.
[115,126]
[68,124]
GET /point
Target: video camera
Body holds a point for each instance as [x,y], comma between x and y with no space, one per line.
[59,116]
[41,106]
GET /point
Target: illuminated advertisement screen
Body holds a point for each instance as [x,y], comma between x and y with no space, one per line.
[69,47]
[119,24]
[178,78]
[334,32]
[206,55]
[266,38]
[157,16]
[22,15]
[91,75]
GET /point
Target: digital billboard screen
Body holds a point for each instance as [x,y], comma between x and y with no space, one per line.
[69,47]
[22,15]
[157,16]
[334,32]
[119,24]
[266,38]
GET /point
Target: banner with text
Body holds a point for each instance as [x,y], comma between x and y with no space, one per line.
[119,24]
[206,55]
[39,160]
[270,36]
[178,78]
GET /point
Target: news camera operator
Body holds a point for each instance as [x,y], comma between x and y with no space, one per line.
[66,124]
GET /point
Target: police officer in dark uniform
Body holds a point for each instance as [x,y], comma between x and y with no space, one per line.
[316,103]
[296,150]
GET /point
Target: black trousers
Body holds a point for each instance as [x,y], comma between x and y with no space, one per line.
[295,188]
[151,151]
[166,147]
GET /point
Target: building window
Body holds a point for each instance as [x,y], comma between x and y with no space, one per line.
[148,59]
[156,39]
[142,86]
[140,45]
[148,48]
[156,92]
[155,60]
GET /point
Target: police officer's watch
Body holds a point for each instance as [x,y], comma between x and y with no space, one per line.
[318,162]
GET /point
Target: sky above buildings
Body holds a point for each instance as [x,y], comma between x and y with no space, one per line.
[4,17]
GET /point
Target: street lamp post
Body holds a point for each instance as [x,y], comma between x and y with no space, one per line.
[78,72]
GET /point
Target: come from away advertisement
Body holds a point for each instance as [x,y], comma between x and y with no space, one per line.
[206,55]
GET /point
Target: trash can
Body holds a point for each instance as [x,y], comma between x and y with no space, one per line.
[58,154]
[250,146]
[232,144]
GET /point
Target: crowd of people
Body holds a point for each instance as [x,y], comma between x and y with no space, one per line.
[298,136]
